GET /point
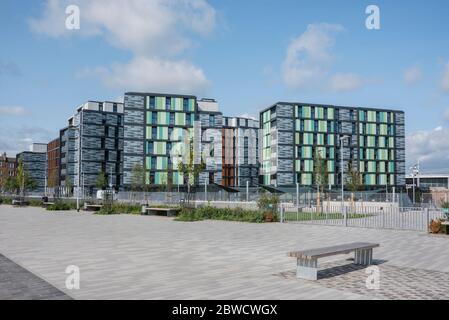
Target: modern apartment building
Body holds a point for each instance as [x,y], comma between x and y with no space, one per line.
[240,152]
[294,133]
[158,125]
[35,163]
[53,153]
[8,167]
[92,144]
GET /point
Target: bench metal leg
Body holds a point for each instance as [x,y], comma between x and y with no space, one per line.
[307,269]
[363,257]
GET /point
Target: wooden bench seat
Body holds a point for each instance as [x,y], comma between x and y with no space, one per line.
[307,260]
[94,207]
[170,212]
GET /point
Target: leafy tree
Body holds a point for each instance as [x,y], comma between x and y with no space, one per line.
[102,181]
[10,185]
[320,176]
[24,181]
[68,184]
[138,182]
[354,180]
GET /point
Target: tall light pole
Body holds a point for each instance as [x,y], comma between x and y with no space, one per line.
[415,171]
[342,138]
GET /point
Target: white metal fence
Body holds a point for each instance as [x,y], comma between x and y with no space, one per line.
[393,217]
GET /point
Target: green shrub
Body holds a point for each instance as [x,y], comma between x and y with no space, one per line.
[35,203]
[59,206]
[7,201]
[120,208]
[211,213]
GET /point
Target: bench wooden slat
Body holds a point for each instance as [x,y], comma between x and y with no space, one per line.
[333,250]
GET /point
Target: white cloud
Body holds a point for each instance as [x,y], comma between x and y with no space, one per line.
[412,75]
[156,32]
[431,148]
[345,82]
[155,74]
[15,139]
[12,111]
[445,79]
[247,116]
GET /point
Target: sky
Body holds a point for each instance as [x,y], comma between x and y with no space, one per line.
[245,54]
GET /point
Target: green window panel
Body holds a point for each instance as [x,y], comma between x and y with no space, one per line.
[361,128]
[321,151]
[382,167]
[308,165]
[382,142]
[322,126]
[320,139]
[177,104]
[160,177]
[361,154]
[371,142]
[362,141]
[163,118]
[362,115]
[371,166]
[383,129]
[370,179]
[297,165]
[297,111]
[162,133]
[391,167]
[370,154]
[330,139]
[148,132]
[191,105]
[162,163]
[266,117]
[178,134]
[330,113]
[392,179]
[266,128]
[297,138]
[266,179]
[160,103]
[361,166]
[178,178]
[371,128]
[149,117]
[306,112]
[306,152]
[309,125]
[307,138]
[298,125]
[180,119]
[382,179]
[319,113]
[372,116]
[148,163]
[331,153]
[331,179]
[391,155]
[382,154]
[383,117]
[306,179]
[391,142]
[330,166]
[160,147]
[391,117]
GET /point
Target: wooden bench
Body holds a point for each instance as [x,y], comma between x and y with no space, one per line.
[18,202]
[93,207]
[46,204]
[307,260]
[170,212]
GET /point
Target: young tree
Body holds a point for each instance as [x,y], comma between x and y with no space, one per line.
[102,181]
[24,181]
[354,181]
[138,182]
[68,184]
[320,176]
[10,185]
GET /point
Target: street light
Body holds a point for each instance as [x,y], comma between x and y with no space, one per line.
[342,138]
[415,171]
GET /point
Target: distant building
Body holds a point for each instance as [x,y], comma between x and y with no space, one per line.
[8,167]
[53,158]
[35,162]
[429,181]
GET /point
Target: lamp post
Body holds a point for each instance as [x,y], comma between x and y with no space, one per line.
[342,138]
[415,171]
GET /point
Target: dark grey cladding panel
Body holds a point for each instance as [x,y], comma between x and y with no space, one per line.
[93,130]
[400,130]
[135,147]
[285,165]
[400,167]
[285,151]
[346,127]
[400,142]
[400,118]
[134,132]
[285,137]
[121,131]
[120,144]
[33,157]
[132,101]
[344,115]
[134,117]
[93,155]
[92,117]
[400,155]
[284,179]
[285,124]
[285,111]
[91,142]
[110,143]
[112,156]
[112,131]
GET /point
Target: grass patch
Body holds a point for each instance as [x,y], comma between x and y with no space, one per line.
[61,206]
[225,214]
[120,208]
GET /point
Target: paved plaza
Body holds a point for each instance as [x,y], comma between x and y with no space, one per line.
[144,257]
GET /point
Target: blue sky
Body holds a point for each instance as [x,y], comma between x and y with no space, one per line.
[246,54]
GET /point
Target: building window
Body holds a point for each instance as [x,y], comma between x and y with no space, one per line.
[212,120]
[185,104]
[167,103]
[114,107]
[100,106]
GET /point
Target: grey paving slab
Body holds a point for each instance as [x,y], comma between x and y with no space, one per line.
[147,257]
